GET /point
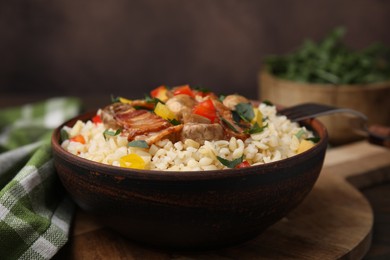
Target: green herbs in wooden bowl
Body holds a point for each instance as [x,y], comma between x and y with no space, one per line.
[332,73]
[330,61]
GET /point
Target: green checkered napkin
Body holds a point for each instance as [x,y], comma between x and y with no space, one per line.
[35,212]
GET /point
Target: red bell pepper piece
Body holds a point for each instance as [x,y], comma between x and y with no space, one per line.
[156,92]
[96,119]
[185,90]
[244,164]
[206,109]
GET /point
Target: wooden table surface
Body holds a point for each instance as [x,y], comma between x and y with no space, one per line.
[376,188]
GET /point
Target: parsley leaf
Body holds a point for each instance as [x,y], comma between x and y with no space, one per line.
[314,139]
[221,97]
[114,99]
[229,124]
[300,133]
[268,103]
[231,164]
[174,121]
[138,143]
[107,133]
[202,89]
[245,111]
[256,129]
[149,99]
[236,117]
[63,135]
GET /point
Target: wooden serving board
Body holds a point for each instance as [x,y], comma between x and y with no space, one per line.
[334,221]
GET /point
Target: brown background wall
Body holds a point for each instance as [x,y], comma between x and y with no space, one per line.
[126,47]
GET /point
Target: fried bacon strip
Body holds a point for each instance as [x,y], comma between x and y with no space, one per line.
[137,123]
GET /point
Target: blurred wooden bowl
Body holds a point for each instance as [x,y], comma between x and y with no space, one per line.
[373,100]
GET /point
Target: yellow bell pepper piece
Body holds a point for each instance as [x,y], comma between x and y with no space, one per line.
[305,145]
[132,160]
[258,118]
[164,112]
[124,100]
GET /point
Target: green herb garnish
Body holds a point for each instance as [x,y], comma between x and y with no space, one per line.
[149,99]
[255,129]
[107,133]
[138,143]
[236,117]
[64,135]
[229,124]
[245,111]
[114,99]
[314,139]
[300,133]
[268,103]
[174,121]
[230,164]
[202,89]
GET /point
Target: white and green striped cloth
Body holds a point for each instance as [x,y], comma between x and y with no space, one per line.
[35,212]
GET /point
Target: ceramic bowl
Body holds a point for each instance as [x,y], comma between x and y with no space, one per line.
[190,210]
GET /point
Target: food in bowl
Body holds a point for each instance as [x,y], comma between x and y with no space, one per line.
[184,129]
[190,209]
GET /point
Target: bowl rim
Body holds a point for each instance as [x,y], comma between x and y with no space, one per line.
[121,172]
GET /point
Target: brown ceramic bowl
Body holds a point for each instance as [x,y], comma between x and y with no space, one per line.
[190,210]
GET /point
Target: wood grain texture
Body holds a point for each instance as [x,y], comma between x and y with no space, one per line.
[379,198]
[334,221]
